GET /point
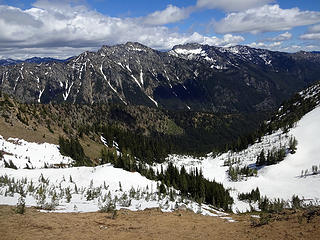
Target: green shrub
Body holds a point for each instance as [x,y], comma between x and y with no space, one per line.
[21,204]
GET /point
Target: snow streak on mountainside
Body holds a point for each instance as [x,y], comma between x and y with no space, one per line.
[293,175]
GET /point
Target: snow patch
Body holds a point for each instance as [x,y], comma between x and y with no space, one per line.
[120,64]
[264,57]
[154,101]
[128,67]
[188,51]
[40,94]
[105,78]
[68,90]
[35,155]
[141,76]
[136,80]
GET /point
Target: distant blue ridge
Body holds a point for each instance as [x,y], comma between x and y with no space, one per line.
[9,61]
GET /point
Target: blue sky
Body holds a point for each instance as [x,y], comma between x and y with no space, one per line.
[64,28]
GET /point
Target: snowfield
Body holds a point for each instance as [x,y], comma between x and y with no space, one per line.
[281,180]
[82,180]
[79,189]
[24,154]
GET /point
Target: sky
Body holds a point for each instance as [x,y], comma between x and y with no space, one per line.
[64,28]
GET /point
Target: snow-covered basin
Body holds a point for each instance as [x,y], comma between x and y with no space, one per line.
[114,181]
[281,180]
[82,177]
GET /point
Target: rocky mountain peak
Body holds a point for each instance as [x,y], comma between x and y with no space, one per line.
[190,77]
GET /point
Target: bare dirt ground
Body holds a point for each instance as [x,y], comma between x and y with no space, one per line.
[151,224]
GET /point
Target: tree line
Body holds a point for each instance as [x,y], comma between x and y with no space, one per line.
[72,148]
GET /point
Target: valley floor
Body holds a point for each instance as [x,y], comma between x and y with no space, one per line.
[152,224]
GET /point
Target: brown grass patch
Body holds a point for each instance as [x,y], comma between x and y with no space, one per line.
[150,224]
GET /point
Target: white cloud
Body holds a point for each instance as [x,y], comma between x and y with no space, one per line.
[171,39]
[257,45]
[275,44]
[54,52]
[270,46]
[231,5]
[56,29]
[266,19]
[310,36]
[170,15]
[281,37]
[296,48]
[314,29]
[279,46]
[225,41]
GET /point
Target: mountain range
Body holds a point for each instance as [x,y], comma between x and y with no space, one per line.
[189,77]
[9,61]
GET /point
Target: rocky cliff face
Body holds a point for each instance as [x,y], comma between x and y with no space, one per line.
[191,76]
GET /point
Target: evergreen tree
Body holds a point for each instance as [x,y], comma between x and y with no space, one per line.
[261,159]
[293,145]
[73,149]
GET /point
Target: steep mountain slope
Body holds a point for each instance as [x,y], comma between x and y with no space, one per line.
[192,76]
[183,131]
[297,174]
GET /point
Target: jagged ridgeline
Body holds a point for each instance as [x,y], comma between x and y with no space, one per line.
[189,77]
